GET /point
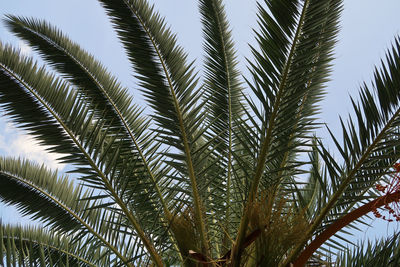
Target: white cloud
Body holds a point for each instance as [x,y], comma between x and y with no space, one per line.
[15,143]
[25,49]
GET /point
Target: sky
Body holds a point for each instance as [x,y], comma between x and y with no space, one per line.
[368,28]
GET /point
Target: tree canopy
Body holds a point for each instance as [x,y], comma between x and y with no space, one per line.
[226,170]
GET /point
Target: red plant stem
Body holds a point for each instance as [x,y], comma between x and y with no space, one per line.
[342,222]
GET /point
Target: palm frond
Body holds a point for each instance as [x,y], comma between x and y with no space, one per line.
[384,252]
[88,75]
[166,79]
[55,201]
[50,105]
[223,97]
[108,99]
[168,83]
[369,147]
[30,188]
[222,84]
[370,143]
[289,86]
[311,194]
[296,42]
[33,246]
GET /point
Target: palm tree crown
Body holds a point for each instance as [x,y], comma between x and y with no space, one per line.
[225,171]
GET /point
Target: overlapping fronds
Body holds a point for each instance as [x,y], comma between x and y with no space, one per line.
[370,146]
[289,76]
[107,98]
[43,105]
[223,97]
[55,201]
[296,41]
[167,81]
[169,84]
[33,246]
[39,193]
[384,252]
[214,175]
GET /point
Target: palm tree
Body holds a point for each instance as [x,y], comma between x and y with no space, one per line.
[216,175]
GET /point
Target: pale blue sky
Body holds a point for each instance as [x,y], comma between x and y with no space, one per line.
[368,28]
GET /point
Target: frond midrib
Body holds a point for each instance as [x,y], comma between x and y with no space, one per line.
[70,211]
[268,137]
[265,146]
[344,184]
[192,176]
[103,177]
[117,111]
[286,155]
[229,87]
[54,248]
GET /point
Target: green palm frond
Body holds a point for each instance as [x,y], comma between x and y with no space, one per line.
[108,99]
[46,127]
[369,146]
[290,79]
[30,188]
[312,196]
[223,96]
[54,200]
[369,150]
[296,42]
[166,79]
[222,84]
[168,84]
[88,75]
[33,246]
[62,110]
[384,252]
